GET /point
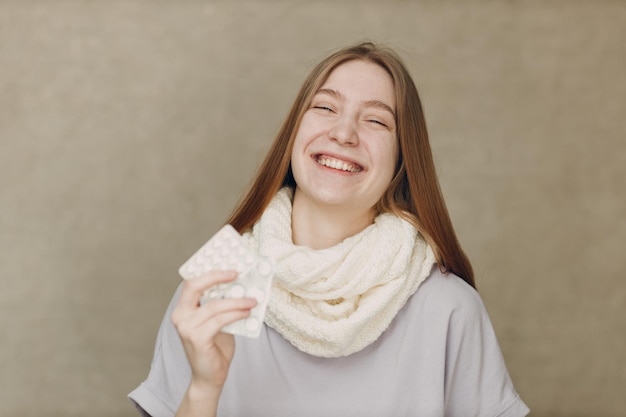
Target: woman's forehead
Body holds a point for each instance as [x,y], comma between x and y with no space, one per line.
[363,80]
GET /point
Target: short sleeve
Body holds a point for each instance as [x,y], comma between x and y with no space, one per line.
[477,382]
[161,393]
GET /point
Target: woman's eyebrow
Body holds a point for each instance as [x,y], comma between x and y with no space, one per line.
[381,105]
[369,103]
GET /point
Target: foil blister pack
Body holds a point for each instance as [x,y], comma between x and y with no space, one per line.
[227,250]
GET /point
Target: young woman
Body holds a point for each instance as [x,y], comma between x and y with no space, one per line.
[373,310]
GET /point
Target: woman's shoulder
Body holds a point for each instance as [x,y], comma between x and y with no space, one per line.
[446,293]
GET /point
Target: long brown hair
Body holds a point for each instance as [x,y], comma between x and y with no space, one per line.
[414,192]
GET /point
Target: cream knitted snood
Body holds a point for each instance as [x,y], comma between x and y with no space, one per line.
[336,301]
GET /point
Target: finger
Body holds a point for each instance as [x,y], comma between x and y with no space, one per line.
[213,308]
[192,289]
[211,328]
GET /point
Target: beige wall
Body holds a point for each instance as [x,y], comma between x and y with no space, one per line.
[129,128]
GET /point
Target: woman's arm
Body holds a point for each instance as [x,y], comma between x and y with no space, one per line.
[199,401]
[208,350]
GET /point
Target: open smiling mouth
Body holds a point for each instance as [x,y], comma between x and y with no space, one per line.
[337,164]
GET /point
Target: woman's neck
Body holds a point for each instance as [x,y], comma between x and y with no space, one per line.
[320,226]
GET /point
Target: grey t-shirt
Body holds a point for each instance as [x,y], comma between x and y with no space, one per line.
[438,358]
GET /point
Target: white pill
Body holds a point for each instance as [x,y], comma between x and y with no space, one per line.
[257,293]
[211,295]
[237,291]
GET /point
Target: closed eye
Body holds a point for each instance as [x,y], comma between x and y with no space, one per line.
[377,122]
[325,108]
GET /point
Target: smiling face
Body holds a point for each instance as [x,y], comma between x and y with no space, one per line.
[345,151]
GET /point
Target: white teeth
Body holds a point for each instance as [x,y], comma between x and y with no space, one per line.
[336,164]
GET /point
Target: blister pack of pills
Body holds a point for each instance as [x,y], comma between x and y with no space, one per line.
[227,250]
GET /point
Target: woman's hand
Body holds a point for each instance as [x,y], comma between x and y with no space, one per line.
[208,350]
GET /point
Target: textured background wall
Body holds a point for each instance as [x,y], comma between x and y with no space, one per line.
[128,129]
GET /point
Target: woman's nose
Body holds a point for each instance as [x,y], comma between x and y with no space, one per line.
[344,131]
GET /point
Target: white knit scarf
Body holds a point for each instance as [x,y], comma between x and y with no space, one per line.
[334,302]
